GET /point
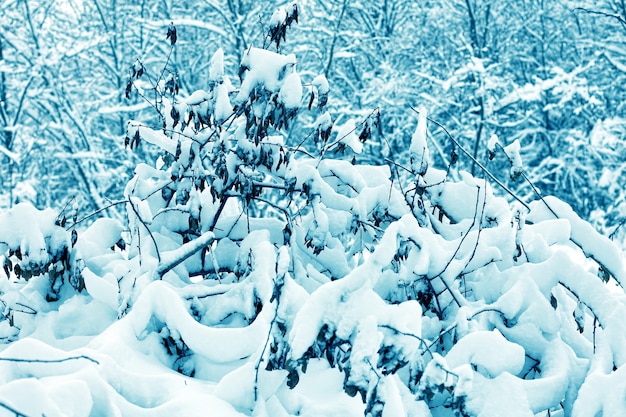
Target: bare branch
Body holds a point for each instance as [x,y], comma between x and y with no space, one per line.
[601,13]
[172,259]
[156,247]
[13,410]
[71,358]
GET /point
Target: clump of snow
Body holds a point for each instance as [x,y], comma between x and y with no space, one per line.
[593,244]
[492,397]
[104,289]
[216,67]
[197,98]
[324,122]
[278,17]
[489,352]
[291,91]
[223,106]
[602,393]
[264,68]
[321,84]
[155,137]
[34,233]
[493,142]
[418,150]
[346,134]
[512,152]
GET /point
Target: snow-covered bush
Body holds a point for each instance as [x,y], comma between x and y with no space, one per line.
[35,246]
[40,269]
[260,277]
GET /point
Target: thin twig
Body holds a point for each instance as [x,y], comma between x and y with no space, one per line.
[115,203]
[480,221]
[485,310]
[605,14]
[400,332]
[71,358]
[441,333]
[32,310]
[156,247]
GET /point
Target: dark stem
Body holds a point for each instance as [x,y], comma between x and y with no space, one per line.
[71,358]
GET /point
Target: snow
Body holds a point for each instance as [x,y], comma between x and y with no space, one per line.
[11,155]
[54,400]
[172,258]
[102,234]
[222,88]
[290,93]
[103,289]
[493,142]
[32,232]
[511,317]
[321,84]
[593,244]
[341,303]
[155,137]
[143,209]
[418,150]
[602,394]
[319,393]
[489,352]
[324,121]
[278,17]
[346,134]
[197,97]
[265,68]
[431,294]
[220,345]
[223,107]
[216,68]
[512,152]
[491,397]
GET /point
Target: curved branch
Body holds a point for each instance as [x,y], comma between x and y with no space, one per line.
[605,14]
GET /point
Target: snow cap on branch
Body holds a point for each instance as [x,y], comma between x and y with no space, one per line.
[260,67]
[491,146]
[291,91]
[216,69]
[419,149]
[512,152]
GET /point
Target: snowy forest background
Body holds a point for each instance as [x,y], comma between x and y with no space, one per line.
[319,208]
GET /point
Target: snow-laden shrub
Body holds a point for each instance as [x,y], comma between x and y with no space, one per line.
[39,267]
[267,278]
[36,249]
